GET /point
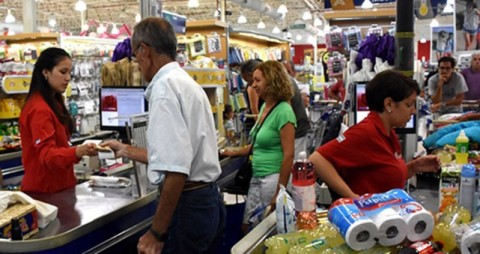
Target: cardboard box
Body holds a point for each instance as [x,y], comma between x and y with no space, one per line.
[449,187]
[339,5]
[25,213]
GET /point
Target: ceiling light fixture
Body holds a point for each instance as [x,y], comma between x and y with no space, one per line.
[298,37]
[101,29]
[241,19]
[9,18]
[282,9]
[193,4]
[115,29]
[423,40]
[448,9]
[276,30]
[261,25]
[138,18]
[367,4]
[52,22]
[80,5]
[307,15]
[434,23]
[317,22]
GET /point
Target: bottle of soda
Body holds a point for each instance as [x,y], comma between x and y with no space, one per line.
[303,183]
[461,144]
[467,187]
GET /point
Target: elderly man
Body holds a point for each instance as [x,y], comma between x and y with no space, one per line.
[472,77]
[447,88]
[182,152]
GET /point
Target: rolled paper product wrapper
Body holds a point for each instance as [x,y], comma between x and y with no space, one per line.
[392,229]
[420,222]
[358,230]
[471,240]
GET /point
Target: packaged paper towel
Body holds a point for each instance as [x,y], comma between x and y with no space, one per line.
[392,229]
[358,230]
[46,212]
[420,222]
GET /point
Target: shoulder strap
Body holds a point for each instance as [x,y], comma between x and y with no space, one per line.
[260,126]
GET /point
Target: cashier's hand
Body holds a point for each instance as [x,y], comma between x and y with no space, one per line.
[429,163]
[149,245]
[86,149]
[119,148]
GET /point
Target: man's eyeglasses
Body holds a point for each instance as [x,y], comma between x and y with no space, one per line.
[134,52]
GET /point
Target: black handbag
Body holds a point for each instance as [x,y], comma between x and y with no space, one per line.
[245,172]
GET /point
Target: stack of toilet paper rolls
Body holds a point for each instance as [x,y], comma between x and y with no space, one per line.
[387,218]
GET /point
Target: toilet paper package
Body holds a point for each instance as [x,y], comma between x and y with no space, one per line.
[392,229]
[471,238]
[358,230]
[420,222]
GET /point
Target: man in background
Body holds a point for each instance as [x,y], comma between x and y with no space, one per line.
[472,78]
[447,88]
[303,123]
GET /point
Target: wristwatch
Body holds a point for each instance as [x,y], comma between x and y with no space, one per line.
[161,237]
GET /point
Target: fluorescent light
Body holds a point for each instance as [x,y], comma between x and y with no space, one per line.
[52,22]
[367,4]
[307,15]
[282,9]
[423,40]
[448,9]
[138,18]
[242,19]
[298,37]
[115,29]
[101,29]
[80,5]
[193,4]
[276,30]
[9,18]
[434,22]
[261,25]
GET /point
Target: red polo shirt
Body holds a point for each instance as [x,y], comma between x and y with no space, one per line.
[46,153]
[366,158]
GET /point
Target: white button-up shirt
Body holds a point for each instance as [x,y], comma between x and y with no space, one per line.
[181,134]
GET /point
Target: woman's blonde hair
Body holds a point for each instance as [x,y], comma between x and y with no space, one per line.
[279,83]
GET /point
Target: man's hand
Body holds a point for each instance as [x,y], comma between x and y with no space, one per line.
[119,148]
[149,245]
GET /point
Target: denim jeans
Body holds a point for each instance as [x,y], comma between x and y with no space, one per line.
[198,222]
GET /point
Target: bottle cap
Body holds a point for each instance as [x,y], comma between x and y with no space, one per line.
[468,170]
[302,155]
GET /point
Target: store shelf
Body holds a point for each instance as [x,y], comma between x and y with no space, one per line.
[30,37]
[354,14]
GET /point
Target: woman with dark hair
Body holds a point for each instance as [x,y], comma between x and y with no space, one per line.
[46,126]
[367,158]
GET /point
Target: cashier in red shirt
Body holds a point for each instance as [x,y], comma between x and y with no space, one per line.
[367,158]
[45,127]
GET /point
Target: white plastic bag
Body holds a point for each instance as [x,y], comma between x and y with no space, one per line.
[285,212]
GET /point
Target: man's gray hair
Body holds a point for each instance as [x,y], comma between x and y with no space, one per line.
[157,33]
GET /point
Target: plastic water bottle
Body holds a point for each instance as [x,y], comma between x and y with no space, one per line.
[467,187]
[303,183]
[461,153]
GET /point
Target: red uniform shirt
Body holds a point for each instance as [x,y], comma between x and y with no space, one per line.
[46,154]
[366,158]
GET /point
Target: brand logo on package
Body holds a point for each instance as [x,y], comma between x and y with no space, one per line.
[376,201]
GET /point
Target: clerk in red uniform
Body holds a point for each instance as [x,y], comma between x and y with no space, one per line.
[367,158]
[45,127]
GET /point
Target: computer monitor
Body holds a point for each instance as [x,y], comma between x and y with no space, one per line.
[361,110]
[117,104]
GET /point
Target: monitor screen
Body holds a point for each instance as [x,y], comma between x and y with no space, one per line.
[117,104]
[361,110]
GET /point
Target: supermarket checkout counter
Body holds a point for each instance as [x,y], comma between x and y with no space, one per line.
[92,220]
